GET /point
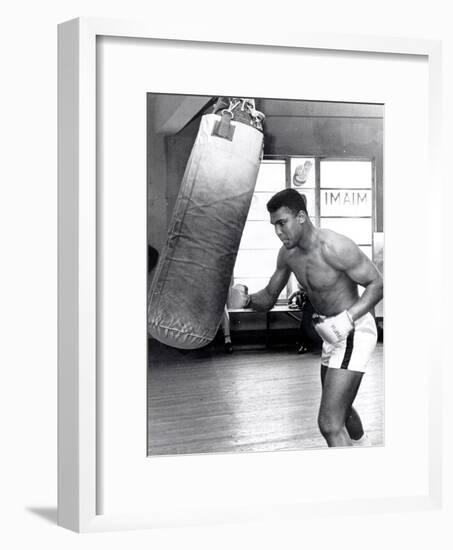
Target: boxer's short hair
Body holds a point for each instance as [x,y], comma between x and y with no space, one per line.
[292,199]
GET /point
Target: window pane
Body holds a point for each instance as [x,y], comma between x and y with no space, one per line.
[358,229]
[343,202]
[255,263]
[258,234]
[303,173]
[271,176]
[258,210]
[346,174]
[293,285]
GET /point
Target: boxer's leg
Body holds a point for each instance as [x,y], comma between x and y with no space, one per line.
[338,393]
[346,362]
[353,422]
[354,425]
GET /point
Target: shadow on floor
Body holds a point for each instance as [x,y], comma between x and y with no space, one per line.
[49,514]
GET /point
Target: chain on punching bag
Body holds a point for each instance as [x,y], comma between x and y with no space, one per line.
[192,278]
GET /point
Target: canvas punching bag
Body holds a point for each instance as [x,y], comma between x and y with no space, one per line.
[190,286]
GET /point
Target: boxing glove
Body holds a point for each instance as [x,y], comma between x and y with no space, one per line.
[333,329]
[301,173]
[239,297]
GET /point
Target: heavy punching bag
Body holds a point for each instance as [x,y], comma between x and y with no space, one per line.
[191,282]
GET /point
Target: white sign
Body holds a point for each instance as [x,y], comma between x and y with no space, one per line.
[350,202]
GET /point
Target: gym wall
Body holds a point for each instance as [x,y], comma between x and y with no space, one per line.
[308,128]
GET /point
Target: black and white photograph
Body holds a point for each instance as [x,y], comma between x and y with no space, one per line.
[265,314]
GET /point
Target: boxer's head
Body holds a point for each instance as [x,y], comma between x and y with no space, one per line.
[288,212]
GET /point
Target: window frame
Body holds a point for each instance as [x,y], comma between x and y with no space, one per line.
[286,159]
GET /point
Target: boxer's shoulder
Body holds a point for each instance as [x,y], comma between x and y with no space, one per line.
[332,239]
[337,249]
[283,256]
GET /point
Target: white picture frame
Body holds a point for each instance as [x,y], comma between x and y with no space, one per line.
[80,388]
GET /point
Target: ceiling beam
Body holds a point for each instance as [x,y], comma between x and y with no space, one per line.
[172,112]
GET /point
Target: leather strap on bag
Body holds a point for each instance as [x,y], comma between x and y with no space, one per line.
[238,109]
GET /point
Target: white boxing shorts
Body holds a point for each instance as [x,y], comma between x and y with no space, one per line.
[354,352]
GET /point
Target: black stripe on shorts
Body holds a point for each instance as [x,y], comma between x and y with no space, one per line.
[348,350]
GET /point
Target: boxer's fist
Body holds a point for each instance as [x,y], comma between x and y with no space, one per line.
[239,297]
[333,329]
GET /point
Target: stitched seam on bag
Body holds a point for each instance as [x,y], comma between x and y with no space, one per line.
[162,272]
[190,187]
[182,332]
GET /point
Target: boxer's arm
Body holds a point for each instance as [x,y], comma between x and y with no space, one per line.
[265,299]
[343,254]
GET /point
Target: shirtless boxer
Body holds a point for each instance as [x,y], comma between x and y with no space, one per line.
[330,267]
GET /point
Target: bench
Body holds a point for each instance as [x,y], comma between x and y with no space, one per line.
[277,309]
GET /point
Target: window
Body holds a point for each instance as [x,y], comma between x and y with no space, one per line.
[303,178]
[339,196]
[346,200]
[259,247]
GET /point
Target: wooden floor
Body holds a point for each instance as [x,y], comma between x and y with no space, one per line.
[252,400]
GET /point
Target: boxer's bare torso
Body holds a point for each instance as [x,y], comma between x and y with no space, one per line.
[329,266]
[329,289]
